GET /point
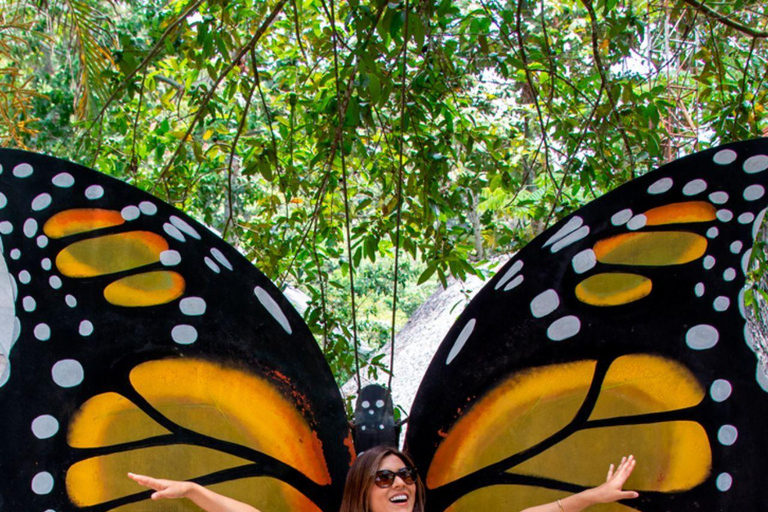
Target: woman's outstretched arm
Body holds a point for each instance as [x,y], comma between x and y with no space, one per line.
[608,492]
[199,495]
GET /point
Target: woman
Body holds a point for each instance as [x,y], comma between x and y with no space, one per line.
[383,479]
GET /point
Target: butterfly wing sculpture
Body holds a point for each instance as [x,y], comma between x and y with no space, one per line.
[619,330]
[138,341]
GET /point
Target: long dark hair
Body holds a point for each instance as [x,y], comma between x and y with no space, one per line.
[361,475]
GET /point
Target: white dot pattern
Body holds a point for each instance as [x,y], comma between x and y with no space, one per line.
[461,340]
[719,197]
[754,192]
[184,334]
[725,157]
[727,435]
[694,187]
[702,337]
[622,217]
[67,373]
[94,192]
[661,186]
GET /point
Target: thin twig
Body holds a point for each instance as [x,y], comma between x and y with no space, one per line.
[604,81]
[231,161]
[710,12]
[400,167]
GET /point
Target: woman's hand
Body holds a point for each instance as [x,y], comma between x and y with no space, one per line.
[612,490]
[199,495]
[170,489]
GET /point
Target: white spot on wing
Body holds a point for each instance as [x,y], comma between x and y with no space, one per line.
[45,426]
[173,232]
[746,218]
[192,306]
[461,339]
[94,192]
[661,186]
[221,258]
[41,202]
[702,337]
[694,187]
[721,303]
[754,192]
[719,197]
[63,180]
[23,171]
[727,435]
[184,226]
[42,483]
[85,328]
[184,334]
[724,482]
[211,264]
[572,225]
[30,228]
[130,213]
[514,283]
[724,215]
[170,258]
[637,222]
[724,157]
[564,328]
[42,332]
[511,271]
[584,261]
[622,217]
[545,303]
[570,239]
[754,164]
[272,308]
[67,373]
[720,390]
[147,208]
[699,289]
[736,247]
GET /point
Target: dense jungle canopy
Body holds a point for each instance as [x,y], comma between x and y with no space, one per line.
[348,146]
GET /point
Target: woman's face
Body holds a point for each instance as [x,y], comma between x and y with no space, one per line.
[400,497]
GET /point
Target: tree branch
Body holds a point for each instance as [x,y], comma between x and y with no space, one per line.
[712,13]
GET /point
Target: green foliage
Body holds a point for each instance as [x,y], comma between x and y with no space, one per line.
[466,128]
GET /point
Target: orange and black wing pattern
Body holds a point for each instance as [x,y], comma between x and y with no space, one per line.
[621,330]
[136,340]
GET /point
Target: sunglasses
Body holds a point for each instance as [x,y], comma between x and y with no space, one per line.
[385,478]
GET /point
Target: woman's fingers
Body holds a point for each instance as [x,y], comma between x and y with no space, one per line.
[146,481]
[618,477]
[610,473]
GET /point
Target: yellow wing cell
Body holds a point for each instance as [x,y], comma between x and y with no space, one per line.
[643,384]
[208,398]
[613,289]
[109,419]
[524,410]
[146,289]
[110,254]
[681,213]
[81,220]
[657,248]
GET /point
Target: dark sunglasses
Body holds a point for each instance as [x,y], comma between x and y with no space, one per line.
[385,478]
